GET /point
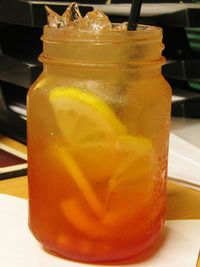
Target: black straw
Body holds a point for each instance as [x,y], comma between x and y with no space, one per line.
[134,15]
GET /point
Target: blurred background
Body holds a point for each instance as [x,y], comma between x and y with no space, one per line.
[21,23]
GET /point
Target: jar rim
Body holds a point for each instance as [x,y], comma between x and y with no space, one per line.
[130,66]
[144,33]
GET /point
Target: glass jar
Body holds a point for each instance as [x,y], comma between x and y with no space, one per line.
[98,129]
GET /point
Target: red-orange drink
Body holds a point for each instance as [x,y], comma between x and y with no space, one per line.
[98,126]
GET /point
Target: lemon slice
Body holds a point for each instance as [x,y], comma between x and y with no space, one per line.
[136,161]
[135,155]
[89,128]
[82,103]
[131,183]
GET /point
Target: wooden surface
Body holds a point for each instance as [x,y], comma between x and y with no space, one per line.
[15,186]
[183,202]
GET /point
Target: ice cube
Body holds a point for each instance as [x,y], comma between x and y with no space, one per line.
[54,20]
[121,27]
[95,21]
[72,14]
[70,17]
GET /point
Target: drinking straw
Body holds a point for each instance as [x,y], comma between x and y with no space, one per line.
[134,15]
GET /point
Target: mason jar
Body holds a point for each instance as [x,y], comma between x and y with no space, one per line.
[98,130]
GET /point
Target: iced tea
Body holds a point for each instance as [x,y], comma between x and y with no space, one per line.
[98,126]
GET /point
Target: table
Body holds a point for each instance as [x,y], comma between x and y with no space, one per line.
[183,202]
